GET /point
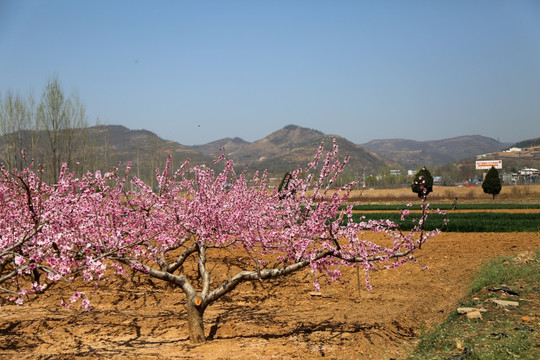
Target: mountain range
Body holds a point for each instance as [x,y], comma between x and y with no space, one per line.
[293,145]
[284,150]
[412,154]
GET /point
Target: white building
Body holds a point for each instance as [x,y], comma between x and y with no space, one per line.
[529,172]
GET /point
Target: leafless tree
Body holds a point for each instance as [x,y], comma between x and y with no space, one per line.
[61,118]
[15,119]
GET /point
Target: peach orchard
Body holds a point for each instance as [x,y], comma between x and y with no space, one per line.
[87,228]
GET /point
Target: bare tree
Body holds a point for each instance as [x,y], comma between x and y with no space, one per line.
[75,135]
[59,117]
[15,119]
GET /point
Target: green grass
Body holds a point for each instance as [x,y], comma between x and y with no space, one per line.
[501,334]
[505,270]
[464,222]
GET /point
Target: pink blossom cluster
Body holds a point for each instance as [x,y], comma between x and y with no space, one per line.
[79,227]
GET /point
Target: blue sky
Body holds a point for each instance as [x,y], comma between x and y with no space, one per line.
[199,71]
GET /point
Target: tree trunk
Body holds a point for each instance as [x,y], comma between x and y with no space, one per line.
[195,320]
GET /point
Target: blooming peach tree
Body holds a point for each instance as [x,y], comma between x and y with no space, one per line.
[80,227]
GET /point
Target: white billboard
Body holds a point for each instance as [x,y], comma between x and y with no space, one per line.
[487,164]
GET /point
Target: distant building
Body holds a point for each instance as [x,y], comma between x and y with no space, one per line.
[529,172]
[527,175]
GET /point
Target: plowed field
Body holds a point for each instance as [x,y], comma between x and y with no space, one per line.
[281,320]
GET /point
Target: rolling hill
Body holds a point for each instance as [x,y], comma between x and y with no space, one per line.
[413,154]
[281,151]
[285,149]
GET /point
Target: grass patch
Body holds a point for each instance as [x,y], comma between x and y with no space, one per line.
[506,270]
[501,333]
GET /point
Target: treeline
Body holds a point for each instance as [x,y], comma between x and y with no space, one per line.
[451,174]
[53,129]
[528,143]
[49,131]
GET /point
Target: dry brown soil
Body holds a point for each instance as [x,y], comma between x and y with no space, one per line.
[446,194]
[257,321]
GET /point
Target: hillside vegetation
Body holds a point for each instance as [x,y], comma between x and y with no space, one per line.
[528,143]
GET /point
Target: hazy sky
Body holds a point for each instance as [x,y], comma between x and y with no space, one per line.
[199,71]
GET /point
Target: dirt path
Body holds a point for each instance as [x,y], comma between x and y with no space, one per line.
[260,321]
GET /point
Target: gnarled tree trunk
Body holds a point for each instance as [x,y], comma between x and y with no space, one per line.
[195,311]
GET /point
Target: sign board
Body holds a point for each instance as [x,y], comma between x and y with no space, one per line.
[487,164]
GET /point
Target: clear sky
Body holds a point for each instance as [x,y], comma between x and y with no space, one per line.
[199,71]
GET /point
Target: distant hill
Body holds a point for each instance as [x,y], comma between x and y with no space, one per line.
[215,148]
[103,147]
[527,143]
[413,154]
[285,149]
[281,151]
[130,145]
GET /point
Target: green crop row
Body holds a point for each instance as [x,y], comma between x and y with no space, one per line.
[463,222]
[487,206]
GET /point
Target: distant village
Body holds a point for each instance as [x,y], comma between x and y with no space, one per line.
[515,155]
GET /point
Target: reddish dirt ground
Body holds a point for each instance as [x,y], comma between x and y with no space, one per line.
[266,321]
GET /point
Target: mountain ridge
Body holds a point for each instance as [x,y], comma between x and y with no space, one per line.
[285,149]
[413,153]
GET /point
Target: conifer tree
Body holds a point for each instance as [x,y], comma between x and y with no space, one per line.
[492,183]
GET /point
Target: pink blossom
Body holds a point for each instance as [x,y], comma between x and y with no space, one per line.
[76,296]
[19,260]
[85,304]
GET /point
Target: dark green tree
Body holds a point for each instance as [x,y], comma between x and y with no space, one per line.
[423,183]
[492,183]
